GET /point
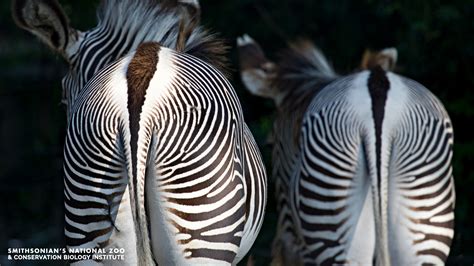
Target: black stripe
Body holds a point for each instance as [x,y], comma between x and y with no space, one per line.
[378,85]
[223,255]
[140,71]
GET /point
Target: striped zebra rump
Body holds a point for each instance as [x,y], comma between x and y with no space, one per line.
[287,243]
[98,202]
[158,159]
[195,177]
[376,179]
[256,193]
[362,163]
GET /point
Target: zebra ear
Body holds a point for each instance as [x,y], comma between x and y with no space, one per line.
[256,71]
[386,59]
[45,19]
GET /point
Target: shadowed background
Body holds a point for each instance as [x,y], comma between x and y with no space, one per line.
[435,42]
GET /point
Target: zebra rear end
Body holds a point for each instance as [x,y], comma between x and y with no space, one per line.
[196,182]
[362,163]
[205,178]
[158,159]
[376,177]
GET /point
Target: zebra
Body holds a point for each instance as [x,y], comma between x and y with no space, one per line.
[362,163]
[158,160]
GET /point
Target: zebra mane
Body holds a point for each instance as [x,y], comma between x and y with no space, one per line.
[159,21]
[303,71]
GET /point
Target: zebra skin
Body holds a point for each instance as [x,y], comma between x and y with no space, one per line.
[158,160]
[362,163]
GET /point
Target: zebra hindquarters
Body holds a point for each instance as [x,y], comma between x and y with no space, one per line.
[196,192]
[98,211]
[255,191]
[421,186]
[332,194]
[195,204]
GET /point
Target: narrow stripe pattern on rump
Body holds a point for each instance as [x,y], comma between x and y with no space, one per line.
[421,202]
[197,179]
[209,175]
[158,159]
[97,202]
[362,167]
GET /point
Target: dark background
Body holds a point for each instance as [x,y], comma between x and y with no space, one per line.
[435,44]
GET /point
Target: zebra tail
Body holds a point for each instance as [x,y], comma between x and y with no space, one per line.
[378,86]
[140,72]
[380,198]
[136,169]
[145,254]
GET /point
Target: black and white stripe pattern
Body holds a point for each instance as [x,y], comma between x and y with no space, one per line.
[404,165]
[158,159]
[343,169]
[369,177]
[123,25]
[198,165]
[340,176]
